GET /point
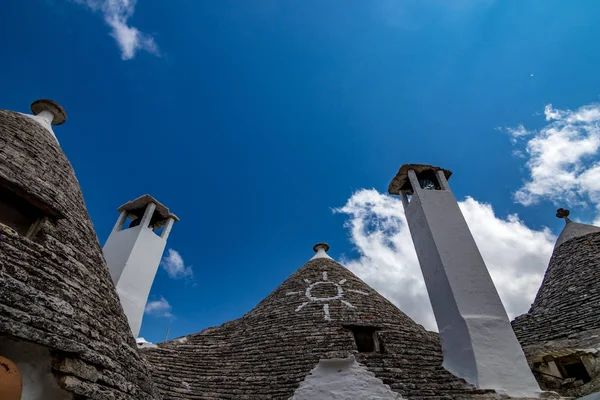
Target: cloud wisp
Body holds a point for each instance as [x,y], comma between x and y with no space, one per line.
[515,255]
[116,14]
[175,267]
[159,308]
[563,158]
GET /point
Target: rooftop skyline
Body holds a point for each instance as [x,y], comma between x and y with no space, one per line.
[268,128]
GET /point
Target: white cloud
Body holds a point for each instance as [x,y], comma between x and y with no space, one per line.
[143,343]
[116,14]
[563,158]
[174,265]
[517,132]
[159,308]
[516,255]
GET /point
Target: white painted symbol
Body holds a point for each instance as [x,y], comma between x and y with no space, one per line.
[338,296]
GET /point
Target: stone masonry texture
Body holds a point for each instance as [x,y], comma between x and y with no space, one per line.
[568,301]
[269,351]
[55,289]
[565,315]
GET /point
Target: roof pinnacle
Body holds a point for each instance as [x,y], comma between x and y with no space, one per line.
[321,249]
[572,229]
[53,111]
[564,214]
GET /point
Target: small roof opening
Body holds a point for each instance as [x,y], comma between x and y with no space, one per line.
[366,338]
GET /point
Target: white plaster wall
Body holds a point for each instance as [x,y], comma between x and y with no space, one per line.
[133,256]
[593,396]
[343,379]
[34,363]
[117,250]
[478,342]
[464,266]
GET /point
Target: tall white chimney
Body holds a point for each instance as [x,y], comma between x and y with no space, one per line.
[478,342]
[133,253]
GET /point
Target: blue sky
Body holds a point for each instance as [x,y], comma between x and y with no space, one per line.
[252,121]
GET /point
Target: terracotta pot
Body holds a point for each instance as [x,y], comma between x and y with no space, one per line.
[10,380]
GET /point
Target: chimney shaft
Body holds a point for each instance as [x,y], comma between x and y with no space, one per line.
[133,253]
[478,342]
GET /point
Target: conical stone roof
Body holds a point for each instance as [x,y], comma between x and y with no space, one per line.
[568,301]
[269,351]
[56,294]
[573,230]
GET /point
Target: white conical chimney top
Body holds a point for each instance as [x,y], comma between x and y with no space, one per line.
[321,249]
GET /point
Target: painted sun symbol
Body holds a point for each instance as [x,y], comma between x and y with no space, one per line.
[339,296]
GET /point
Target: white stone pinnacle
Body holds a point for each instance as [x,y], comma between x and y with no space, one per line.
[321,250]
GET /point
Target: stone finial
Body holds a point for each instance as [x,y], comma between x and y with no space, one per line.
[321,245]
[53,111]
[321,249]
[562,213]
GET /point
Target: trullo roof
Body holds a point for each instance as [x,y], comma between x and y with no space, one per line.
[268,352]
[55,289]
[568,301]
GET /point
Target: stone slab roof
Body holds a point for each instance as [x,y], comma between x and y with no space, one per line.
[574,230]
[269,351]
[55,289]
[568,301]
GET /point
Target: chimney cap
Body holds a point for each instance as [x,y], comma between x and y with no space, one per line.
[60,116]
[143,201]
[401,183]
[320,245]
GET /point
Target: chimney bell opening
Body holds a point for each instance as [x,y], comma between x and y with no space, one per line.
[59,116]
[426,175]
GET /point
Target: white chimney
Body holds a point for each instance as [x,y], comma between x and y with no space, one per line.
[133,253]
[478,342]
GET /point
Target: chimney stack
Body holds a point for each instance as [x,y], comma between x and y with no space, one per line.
[478,342]
[133,252]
